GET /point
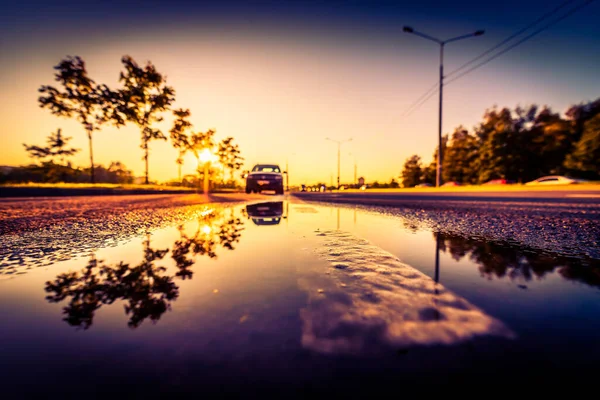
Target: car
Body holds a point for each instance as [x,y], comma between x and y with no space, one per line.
[499,182]
[554,180]
[420,185]
[452,183]
[265,177]
[266,213]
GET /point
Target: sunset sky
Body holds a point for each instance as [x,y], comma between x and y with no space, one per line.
[280,77]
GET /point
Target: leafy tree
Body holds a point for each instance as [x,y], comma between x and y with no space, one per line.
[229,155]
[179,136]
[585,158]
[495,156]
[80,97]
[459,157]
[579,114]
[56,148]
[549,140]
[144,97]
[429,173]
[412,171]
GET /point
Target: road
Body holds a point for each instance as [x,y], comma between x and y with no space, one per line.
[557,222]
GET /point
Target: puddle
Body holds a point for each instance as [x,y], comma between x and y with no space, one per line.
[289,294]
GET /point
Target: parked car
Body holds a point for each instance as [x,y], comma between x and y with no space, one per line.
[420,185]
[499,182]
[267,213]
[554,180]
[265,177]
[452,183]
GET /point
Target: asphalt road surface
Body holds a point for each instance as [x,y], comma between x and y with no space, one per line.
[561,222]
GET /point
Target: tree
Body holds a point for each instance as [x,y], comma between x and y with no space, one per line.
[179,136]
[412,171]
[56,148]
[585,158]
[144,97]
[81,97]
[459,157]
[229,155]
[495,155]
[200,141]
[548,141]
[429,173]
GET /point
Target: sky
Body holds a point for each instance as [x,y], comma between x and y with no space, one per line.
[280,77]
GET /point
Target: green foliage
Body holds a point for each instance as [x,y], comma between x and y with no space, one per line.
[412,172]
[460,157]
[585,157]
[144,97]
[520,145]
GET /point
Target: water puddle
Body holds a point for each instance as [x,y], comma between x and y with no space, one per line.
[288,293]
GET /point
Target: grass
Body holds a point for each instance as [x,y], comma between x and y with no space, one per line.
[114,186]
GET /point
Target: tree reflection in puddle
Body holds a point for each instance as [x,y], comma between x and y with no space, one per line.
[147,289]
[505,260]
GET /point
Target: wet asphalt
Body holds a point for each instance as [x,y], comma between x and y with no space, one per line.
[570,226]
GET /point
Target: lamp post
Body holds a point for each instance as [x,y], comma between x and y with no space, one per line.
[442,43]
[339,143]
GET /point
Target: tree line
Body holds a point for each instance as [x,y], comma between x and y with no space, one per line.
[142,100]
[518,145]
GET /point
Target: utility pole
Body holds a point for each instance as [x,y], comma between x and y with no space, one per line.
[339,143]
[442,43]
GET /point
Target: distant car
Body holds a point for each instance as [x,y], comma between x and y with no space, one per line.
[265,177]
[267,213]
[554,180]
[453,183]
[424,185]
[499,182]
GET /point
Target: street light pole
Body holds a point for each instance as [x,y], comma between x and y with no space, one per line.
[339,143]
[442,43]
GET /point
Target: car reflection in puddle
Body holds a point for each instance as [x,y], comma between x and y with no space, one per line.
[266,213]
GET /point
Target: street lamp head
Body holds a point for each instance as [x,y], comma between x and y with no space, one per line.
[408,29]
[479,33]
